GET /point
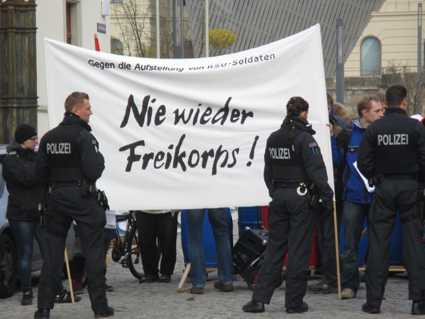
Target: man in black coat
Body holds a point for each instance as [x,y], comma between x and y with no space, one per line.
[392,157]
[293,167]
[70,163]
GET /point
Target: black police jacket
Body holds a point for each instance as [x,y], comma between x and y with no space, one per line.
[393,145]
[292,155]
[70,154]
[26,193]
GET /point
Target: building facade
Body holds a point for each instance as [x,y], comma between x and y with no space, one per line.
[134,31]
[389,41]
[260,22]
[71,21]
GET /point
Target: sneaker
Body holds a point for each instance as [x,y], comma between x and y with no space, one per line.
[348,293]
[107,312]
[223,286]
[323,287]
[197,290]
[26,298]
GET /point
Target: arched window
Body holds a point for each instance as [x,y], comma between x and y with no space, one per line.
[117,46]
[370,57]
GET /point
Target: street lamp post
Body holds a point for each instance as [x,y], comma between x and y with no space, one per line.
[339,61]
[158,33]
[207,29]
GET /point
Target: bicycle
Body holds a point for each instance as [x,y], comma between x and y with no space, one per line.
[126,249]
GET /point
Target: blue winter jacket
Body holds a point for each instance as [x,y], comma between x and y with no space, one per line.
[354,189]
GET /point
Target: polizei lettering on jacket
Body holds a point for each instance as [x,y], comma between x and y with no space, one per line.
[58,148]
[393,139]
[280,153]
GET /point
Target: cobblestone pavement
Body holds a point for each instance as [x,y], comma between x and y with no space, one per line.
[159,300]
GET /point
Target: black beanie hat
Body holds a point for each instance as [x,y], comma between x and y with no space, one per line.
[24,132]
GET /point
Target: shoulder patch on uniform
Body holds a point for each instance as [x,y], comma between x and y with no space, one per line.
[314,148]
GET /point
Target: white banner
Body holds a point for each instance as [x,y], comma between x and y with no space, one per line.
[190,133]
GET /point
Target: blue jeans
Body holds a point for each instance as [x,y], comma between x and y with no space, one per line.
[24,233]
[221,226]
[353,219]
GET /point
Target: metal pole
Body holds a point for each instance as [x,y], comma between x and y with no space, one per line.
[207,29]
[175,44]
[158,46]
[182,28]
[424,51]
[419,41]
[339,61]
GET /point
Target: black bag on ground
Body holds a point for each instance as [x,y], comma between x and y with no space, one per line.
[248,254]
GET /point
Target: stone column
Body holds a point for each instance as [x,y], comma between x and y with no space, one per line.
[18,66]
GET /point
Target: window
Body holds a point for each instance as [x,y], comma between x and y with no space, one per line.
[116,46]
[370,57]
[73,22]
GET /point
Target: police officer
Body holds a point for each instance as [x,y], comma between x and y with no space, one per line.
[392,156]
[293,164]
[70,163]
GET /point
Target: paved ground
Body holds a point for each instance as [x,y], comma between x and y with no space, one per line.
[157,300]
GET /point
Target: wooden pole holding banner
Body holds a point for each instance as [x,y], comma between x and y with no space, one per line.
[338,272]
[184,277]
[68,273]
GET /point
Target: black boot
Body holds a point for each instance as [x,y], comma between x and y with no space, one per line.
[107,312]
[26,298]
[42,313]
[298,309]
[373,309]
[253,306]
[418,307]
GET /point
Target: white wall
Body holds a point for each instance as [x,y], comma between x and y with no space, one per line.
[51,23]
[50,20]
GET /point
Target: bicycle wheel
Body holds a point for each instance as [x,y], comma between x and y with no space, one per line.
[134,258]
